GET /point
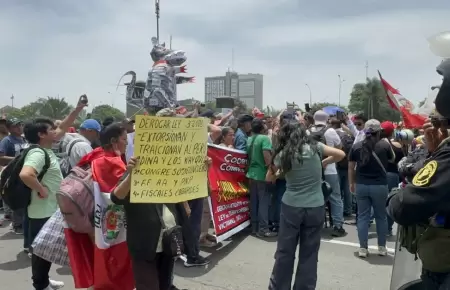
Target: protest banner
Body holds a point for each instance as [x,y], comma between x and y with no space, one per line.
[172,154]
[229,196]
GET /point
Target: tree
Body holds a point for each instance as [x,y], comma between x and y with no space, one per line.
[53,108]
[370,99]
[103,111]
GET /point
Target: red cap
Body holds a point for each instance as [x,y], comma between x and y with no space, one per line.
[388,127]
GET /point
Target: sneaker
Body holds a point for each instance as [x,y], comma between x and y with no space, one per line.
[362,253]
[56,284]
[26,250]
[266,234]
[196,262]
[18,231]
[338,232]
[382,251]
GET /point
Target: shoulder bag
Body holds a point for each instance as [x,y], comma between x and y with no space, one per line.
[172,239]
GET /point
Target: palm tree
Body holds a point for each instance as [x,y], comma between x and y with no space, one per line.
[54,108]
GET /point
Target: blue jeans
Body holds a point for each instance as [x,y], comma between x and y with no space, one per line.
[259,205]
[367,197]
[279,188]
[347,196]
[195,221]
[337,206]
[393,181]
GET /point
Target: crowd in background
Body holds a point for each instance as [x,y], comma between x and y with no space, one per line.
[290,157]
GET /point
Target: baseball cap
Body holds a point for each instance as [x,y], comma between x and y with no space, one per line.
[372,126]
[320,118]
[91,124]
[388,127]
[13,122]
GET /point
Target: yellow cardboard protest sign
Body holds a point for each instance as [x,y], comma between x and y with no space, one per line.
[172,154]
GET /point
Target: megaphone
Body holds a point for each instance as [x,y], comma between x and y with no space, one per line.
[440,44]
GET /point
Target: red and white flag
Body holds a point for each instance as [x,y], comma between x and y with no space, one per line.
[103,264]
[403,105]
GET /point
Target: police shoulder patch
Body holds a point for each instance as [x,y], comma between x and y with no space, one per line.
[424,175]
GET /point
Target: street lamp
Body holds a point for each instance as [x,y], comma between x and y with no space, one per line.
[340,87]
[310,95]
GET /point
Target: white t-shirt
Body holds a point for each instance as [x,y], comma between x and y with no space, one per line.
[333,140]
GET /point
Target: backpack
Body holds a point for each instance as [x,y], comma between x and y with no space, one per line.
[64,156]
[14,192]
[318,134]
[76,200]
[347,143]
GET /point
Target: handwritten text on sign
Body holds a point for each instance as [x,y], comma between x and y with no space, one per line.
[172,154]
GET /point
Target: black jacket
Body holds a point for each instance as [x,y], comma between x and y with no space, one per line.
[144,226]
[427,194]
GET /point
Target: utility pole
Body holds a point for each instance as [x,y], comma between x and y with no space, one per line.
[310,94]
[12,100]
[170,42]
[367,69]
[340,87]
[157,18]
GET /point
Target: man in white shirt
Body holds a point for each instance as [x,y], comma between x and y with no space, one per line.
[357,127]
[332,139]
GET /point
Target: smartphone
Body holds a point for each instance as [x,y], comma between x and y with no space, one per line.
[84,99]
[340,115]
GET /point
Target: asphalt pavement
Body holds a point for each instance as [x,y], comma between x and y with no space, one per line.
[242,263]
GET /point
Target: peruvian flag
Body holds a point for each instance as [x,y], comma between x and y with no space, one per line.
[103,262]
[403,105]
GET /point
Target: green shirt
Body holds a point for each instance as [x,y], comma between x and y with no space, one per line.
[257,168]
[304,180]
[40,208]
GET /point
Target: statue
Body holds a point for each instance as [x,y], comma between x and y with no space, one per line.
[160,89]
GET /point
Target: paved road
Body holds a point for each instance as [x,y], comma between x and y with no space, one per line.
[243,263]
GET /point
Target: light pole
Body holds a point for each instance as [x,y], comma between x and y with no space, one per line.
[310,94]
[340,87]
[157,18]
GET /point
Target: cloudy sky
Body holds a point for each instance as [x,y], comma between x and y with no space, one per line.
[66,48]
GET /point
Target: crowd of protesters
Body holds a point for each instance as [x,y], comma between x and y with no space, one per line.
[290,156]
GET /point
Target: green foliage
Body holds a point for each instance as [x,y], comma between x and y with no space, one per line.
[103,111]
[370,99]
[53,108]
[58,109]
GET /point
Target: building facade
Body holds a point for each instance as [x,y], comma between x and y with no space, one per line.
[246,87]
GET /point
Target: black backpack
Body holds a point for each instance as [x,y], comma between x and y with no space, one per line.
[347,143]
[318,134]
[14,192]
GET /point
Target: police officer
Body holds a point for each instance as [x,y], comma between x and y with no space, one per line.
[426,200]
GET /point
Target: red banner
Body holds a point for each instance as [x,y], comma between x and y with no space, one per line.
[229,199]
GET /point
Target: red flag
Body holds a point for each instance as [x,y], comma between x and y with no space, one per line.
[106,254]
[403,105]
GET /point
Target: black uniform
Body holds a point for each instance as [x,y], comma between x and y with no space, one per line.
[425,202]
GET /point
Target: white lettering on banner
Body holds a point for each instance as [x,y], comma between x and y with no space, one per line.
[227,224]
[234,160]
[231,205]
[230,168]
